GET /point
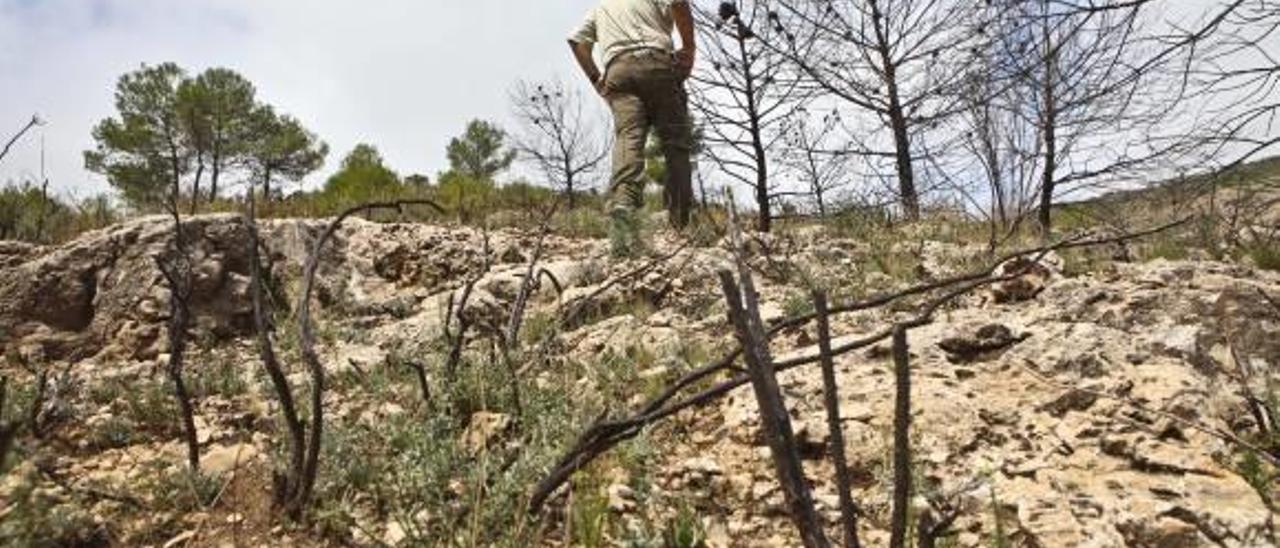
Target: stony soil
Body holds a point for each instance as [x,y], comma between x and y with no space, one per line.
[1067,411]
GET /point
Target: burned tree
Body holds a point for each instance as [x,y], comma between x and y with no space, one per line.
[744,314]
[815,158]
[1087,98]
[558,135]
[743,93]
[299,497]
[286,485]
[177,269]
[690,391]
[1232,73]
[900,65]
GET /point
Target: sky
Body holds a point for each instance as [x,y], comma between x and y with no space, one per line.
[403,75]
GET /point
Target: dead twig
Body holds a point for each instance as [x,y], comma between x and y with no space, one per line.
[306,343]
[831,397]
[530,279]
[35,121]
[901,438]
[271,362]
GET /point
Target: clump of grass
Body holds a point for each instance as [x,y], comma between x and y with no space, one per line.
[1264,256]
[412,469]
[221,377]
[1000,537]
[796,304]
[685,529]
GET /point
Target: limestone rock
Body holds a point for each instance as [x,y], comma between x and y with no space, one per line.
[483,429]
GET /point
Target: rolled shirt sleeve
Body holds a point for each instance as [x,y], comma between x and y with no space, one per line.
[586,32]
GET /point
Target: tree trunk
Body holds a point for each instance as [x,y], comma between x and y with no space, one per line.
[901,439]
[568,183]
[773,412]
[177,346]
[831,397]
[1048,179]
[270,362]
[214,172]
[765,221]
[897,122]
[266,186]
[195,184]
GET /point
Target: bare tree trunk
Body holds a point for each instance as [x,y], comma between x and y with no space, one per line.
[44,210]
[765,222]
[266,186]
[773,416]
[195,184]
[177,347]
[848,511]
[307,341]
[744,314]
[177,272]
[898,122]
[901,438]
[1050,130]
[214,172]
[270,362]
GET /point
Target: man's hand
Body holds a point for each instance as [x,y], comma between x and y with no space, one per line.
[582,53]
[684,61]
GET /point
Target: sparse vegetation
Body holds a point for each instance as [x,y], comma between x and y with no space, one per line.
[498,379]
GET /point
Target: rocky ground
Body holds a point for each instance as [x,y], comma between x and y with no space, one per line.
[1085,409]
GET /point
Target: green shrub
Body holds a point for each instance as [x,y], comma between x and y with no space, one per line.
[28,213]
[1265,256]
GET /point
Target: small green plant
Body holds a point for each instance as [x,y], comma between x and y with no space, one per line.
[590,518]
[183,490]
[1252,469]
[797,304]
[1168,247]
[685,530]
[1000,537]
[1264,256]
[222,377]
[151,407]
[626,234]
[112,433]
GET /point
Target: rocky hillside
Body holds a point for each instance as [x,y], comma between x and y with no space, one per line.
[1092,407]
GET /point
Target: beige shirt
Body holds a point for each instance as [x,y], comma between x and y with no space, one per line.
[620,26]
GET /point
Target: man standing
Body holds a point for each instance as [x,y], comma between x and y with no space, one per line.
[643,82]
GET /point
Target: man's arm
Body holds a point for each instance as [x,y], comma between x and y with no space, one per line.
[683,17]
[582,51]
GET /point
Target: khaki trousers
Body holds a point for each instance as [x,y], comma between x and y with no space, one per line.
[646,92]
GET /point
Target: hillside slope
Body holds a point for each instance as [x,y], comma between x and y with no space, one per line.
[1081,413]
